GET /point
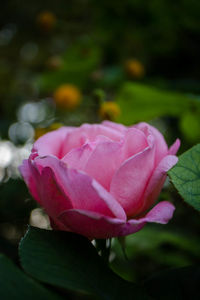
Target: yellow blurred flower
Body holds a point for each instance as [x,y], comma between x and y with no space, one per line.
[67,96]
[55,126]
[46,20]
[134,68]
[109,110]
[41,131]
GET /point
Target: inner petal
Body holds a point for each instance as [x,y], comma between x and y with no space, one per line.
[88,132]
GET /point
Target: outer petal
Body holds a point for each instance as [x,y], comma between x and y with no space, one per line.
[52,196]
[83,191]
[52,142]
[118,127]
[174,148]
[161,146]
[161,213]
[94,225]
[30,177]
[157,180]
[129,182]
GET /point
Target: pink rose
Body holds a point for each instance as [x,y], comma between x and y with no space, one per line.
[101,180]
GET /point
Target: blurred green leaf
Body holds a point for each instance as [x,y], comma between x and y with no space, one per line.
[12,207]
[141,102]
[150,242]
[151,238]
[190,126]
[175,284]
[77,64]
[70,261]
[185,176]
[15,285]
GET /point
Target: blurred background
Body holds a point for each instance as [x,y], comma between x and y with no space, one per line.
[69,62]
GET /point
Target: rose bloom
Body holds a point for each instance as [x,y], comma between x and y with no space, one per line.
[101,180]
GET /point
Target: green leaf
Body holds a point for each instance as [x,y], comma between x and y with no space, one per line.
[185,176]
[70,261]
[175,284]
[142,102]
[15,285]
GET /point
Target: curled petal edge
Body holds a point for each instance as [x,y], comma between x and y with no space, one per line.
[94,225]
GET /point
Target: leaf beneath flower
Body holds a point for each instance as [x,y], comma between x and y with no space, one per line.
[185,176]
[70,261]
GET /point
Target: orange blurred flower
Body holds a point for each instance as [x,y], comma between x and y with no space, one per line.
[46,20]
[134,68]
[67,96]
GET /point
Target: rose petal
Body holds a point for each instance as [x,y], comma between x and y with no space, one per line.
[129,182]
[134,141]
[161,146]
[77,158]
[157,180]
[94,225]
[52,196]
[161,213]
[118,127]
[30,178]
[104,161]
[52,142]
[88,133]
[57,225]
[174,148]
[81,189]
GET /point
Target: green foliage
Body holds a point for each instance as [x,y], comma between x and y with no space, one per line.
[185,176]
[15,285]
[77,64]
[190,126]
[175,284]
[153,246]
[141,102]
[150,239]
[15,208]
[70,261]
